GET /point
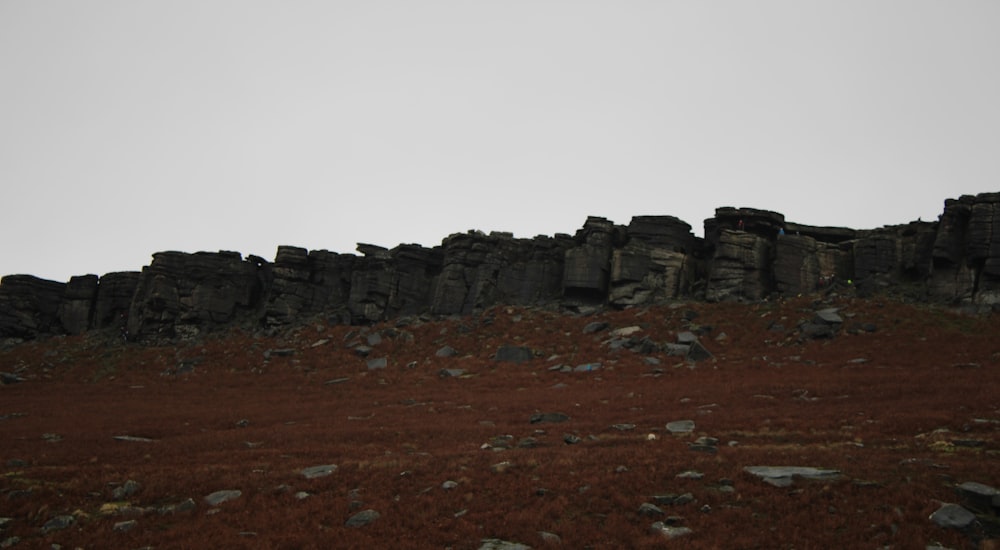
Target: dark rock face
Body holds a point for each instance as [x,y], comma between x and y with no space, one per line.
[180,294]
[741,267]
[76,308]
[747,254]
[29,306]
[587,269]
[114,298]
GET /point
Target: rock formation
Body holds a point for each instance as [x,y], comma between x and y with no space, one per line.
[747,254]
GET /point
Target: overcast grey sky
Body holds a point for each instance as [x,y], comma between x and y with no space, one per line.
[129,127]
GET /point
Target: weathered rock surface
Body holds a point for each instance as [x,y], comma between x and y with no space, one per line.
[746,254]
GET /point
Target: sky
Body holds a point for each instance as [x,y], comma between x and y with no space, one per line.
[128,128]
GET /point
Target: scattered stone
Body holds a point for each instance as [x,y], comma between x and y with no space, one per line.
[125,526]
[446,351]
[242,423]
[550,538]
[556,417]
[58,523]
[690,474]
[125,490]
[374,339]
[4,522]
[449,485]
[302,495]
[219,497]
[527,443]
[362,518]
[378,363]
[51,438]
[450,373]
[336,381]
[952,516]
[647,509]
[978,496]
[623,427]
[669,531]
[133,439]
[514,354]
[501,467]
[680,426]
[697,352]
[596,326]
[673,500]
[705,444]
[497,544]
[625,331]
[686,338]
[363,351]
[184,506]
[9,378]
[782,476]
[829,316]
[10,542]
[587,367]
[283,352]
[314,472]
[571,439]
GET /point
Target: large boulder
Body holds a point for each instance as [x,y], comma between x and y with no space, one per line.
[642,274]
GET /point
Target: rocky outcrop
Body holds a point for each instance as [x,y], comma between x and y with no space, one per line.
[741,266]
[746,254]
[182,294]
[587,270]
[29,306]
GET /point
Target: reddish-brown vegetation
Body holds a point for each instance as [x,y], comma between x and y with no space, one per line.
[872,404]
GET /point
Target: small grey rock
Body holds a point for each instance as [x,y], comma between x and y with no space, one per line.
[378,363]
[125,490]
[125,526]
[952,516]
[670,532]
[596,326]
[680,426]
[514,354]
[219,497]
[446,351]
[548,417]
[314,472]
[58,523]
[497,544]
[647,509]
[362,518]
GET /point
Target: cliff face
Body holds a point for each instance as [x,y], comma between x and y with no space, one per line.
[747,254]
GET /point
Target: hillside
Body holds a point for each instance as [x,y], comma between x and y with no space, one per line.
[528,425]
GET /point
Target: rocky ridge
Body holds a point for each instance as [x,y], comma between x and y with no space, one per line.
[746,255]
